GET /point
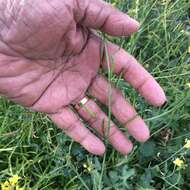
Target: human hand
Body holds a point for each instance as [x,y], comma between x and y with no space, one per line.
[49,60]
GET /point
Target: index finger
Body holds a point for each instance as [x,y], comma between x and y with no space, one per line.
[135,74]
[97,14]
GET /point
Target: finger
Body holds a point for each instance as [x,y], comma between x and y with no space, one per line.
[67,120]
[121,109]
[97,119]
[98,14]
[135,74]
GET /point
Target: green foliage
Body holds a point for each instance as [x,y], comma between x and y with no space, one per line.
[31,146]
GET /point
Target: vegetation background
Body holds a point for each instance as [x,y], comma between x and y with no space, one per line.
[35,149]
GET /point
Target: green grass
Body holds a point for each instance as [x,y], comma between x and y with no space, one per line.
[34,148]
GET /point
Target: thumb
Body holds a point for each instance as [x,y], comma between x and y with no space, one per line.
[97,14]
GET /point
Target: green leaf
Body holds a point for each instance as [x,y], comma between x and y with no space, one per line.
[147,149]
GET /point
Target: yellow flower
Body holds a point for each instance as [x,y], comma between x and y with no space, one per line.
[11,184]
[5,186]
[85,165]
[178,162]
[187,144]
[14,179]
[188,50]
[88,167]
[188,84]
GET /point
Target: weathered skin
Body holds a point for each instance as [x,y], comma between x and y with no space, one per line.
[49,57]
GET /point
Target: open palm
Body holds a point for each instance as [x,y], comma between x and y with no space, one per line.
[49,60]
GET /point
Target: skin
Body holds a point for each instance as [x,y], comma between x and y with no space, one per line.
[50,57]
